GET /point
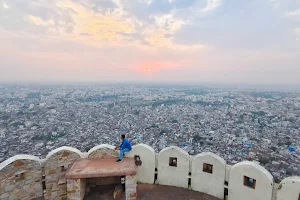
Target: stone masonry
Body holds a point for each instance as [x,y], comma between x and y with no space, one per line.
[130,187]
[76,189]
[20,178]
[56,165]
[85,169]
[103,151]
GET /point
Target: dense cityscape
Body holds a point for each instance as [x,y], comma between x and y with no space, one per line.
[236,124]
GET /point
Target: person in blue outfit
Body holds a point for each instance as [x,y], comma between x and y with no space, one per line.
[124,147]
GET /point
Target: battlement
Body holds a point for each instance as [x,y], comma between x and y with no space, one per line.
[29,177]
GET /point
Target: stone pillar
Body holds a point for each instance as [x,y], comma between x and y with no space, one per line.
[76,189]
[130,187]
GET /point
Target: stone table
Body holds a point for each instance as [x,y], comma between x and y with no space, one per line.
[95,168]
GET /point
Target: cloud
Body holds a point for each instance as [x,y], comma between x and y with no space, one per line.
[5,6]
[293,13]
[85,34]
[192,39]
[28,15]
[152,23]
[211,5]
[98,5]
[38,21]
[253,25]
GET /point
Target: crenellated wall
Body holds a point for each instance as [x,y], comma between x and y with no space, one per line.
[171,175]
[145,172]
[56,164]
[289,188]
[102,151]
[204,181]
[260,188]
[21,177]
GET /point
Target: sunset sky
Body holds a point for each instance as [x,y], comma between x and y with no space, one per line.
[224,41]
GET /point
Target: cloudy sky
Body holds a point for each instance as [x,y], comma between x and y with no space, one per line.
[224,41]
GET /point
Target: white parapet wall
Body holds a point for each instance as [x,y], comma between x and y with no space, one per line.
[21,175]
[289,189]
[248,181]
[146,171]
[103,151]
[173,175]
[208,174]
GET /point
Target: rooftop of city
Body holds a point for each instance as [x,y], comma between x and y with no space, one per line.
[236,124]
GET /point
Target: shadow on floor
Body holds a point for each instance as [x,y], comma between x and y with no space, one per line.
[104,192]
[151,192]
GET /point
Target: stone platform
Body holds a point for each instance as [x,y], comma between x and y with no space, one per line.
[85,170]
[91,168]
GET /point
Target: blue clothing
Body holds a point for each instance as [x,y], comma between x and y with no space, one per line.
[125,145]
[122,152]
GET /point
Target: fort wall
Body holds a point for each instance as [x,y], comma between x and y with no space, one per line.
[28,177]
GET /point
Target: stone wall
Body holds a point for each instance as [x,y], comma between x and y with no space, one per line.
[21,176]
[76,189]
[56,164]
[103,151]
[130,187]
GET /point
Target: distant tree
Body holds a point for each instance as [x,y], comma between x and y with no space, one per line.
[273,148]
[288,143]
[174,121]
[111,105]
[197,138]
[154,126]
[289,172]
[280,144]
[264,160]
[162,131]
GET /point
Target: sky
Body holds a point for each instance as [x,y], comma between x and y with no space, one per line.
[178,41]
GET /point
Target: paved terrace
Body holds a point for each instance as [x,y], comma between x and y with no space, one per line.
[89,168]
[155,192]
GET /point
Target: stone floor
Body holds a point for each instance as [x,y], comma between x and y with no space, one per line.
[154,192]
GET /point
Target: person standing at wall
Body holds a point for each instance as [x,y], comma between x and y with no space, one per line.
[124,147]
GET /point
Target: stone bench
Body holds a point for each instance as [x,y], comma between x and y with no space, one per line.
[98,168]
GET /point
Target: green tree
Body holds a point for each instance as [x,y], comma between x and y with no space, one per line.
[288,143]
[273,148]
[174,121]
[264,160]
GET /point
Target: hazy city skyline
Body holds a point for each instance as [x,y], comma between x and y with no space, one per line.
[154,41]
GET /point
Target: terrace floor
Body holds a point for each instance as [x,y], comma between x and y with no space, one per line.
[155,192]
